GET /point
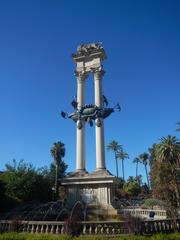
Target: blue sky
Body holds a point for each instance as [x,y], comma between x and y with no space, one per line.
[142,42]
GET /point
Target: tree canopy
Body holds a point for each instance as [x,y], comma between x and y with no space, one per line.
[164,172]
[132,186]
[22,182]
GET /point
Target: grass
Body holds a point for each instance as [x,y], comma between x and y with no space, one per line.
[28,236]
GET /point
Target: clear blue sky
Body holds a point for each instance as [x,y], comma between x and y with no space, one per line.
[142,42]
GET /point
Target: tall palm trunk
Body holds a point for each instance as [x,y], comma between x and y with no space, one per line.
[56,182]
[123,168]
[117,175]
[147,175]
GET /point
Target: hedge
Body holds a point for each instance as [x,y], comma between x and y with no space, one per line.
[27,236]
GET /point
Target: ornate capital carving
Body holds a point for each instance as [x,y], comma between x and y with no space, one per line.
[98,73]
[81,76]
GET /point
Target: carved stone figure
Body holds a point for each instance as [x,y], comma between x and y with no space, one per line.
[89,48]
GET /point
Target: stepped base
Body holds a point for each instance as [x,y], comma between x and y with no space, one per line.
[101,212]
[95,189]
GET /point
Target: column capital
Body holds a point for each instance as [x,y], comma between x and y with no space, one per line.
[98,73]
[81,76]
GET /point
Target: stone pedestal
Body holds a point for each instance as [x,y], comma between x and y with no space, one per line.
[97,188]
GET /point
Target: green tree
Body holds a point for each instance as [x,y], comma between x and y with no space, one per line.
[58,152]
[136,161]
[2,195]
[164,162]
[25,183]
[121,155]
[144,190]
[153,165]
[115,147]
[132,186]
[144,160]
[168,150]
[6,202]
[168,158]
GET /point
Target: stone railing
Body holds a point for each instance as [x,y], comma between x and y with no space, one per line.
[144,213]
[85,228]
[157,226]
[91,228]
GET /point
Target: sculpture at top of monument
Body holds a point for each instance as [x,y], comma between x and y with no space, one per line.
[88,48]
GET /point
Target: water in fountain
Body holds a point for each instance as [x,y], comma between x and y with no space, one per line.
[51,211]
[65,216]
[79,210]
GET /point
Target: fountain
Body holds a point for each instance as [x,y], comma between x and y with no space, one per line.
[50,211]
[88,195]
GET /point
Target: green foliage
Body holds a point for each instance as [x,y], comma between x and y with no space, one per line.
[115,147]
[136,161]
[151,202]
[132,186]
[145,190]
[4,200]
[144,159]
[121,182]
[27,236]
[168,150]
[50,172]
[121,155]
[2,190]
[165,159]
[21,182]
[58,152]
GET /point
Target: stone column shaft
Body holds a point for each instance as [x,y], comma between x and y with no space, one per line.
[100,150]
[80,137]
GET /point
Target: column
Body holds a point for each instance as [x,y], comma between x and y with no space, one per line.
[100,151]
[80,137]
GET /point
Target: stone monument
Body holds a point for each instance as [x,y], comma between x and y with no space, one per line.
[97,187]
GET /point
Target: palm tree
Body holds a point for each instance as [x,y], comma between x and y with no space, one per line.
[121,155]
[115,147]
[168,150]
[168,154]
[144,157]
[57,152]
[136,161]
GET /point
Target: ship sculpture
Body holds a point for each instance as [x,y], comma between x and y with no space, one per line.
[90,113]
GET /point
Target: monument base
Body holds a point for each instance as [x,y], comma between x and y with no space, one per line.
[94,189]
